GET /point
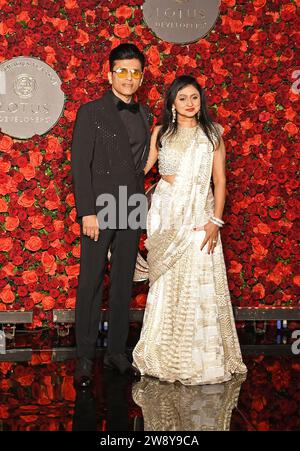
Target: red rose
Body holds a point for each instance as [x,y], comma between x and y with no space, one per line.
[6,244]
[26,199]
[53,145]
[28,171]
[22,161]
[262,228]
[36,297]
[291,128]
[235,267]
[33,244]
[71,4]
[122,31]
[70,303]
[6,295]
[288,12]
[275,213]
[154,95]
[6,143]
[259,291]
[28,304]
[48,261]
[72,271]
[296,280]
[50,194]
[153,56]
[82,38]
[124,11]
[259,3]
[48,302]
[29,277]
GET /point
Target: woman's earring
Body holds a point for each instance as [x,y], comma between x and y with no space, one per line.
[173,114]
[198,115]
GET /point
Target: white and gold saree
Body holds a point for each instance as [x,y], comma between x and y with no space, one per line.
[188,332]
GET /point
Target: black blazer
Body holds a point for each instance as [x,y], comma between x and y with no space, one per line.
[101,156]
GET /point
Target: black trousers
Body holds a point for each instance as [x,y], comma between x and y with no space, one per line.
[123,244]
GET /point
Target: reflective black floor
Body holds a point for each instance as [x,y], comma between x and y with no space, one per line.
[37,392]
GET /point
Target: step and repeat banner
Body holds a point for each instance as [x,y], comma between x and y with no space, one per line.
[53,58]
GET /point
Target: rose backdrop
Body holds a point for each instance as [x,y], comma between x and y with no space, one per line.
[247,65]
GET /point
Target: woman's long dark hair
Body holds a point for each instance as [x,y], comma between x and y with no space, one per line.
[169,128]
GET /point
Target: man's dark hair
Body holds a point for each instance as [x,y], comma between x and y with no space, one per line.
[126,52]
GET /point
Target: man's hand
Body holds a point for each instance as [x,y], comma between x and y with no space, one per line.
[90,226]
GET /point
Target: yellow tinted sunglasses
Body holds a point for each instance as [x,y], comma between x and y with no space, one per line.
[122,72]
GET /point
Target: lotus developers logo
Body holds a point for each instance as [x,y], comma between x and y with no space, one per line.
[31,99]
[181,21]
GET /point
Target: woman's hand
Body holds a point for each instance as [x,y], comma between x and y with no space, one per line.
[211,236]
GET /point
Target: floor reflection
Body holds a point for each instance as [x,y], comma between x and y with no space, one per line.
[85,416]
[176,407]
[37,394]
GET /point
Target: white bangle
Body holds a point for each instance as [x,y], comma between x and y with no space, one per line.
[215,222]
[218,220]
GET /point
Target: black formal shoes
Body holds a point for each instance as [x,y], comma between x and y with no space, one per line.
[120,362]
[83,373]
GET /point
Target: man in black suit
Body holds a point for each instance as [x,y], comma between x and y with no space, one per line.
[110,148]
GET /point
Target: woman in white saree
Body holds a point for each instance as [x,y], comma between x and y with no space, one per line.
[188,332]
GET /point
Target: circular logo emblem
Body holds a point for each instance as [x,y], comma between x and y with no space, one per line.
[181,21]
[24,86]
[31,99]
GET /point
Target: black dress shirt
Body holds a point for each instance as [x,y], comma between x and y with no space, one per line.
[136,130]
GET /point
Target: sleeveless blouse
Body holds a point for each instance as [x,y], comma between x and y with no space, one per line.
[170,154]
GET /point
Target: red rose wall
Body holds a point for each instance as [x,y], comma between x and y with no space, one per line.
[247,64]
